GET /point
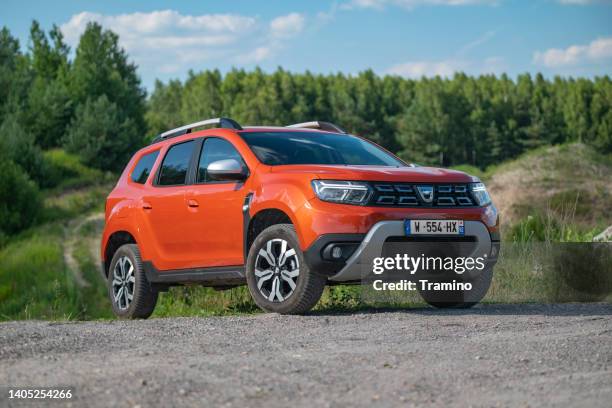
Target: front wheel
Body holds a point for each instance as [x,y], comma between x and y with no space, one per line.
[278,277]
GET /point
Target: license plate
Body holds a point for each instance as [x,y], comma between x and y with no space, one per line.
[434,227]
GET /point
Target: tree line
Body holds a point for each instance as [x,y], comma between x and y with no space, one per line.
[94,106]
[464,120]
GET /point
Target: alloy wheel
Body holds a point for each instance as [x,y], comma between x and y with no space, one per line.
[277,269]
[123,283]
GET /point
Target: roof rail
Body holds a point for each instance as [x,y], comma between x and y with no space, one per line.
[222,122]
[317,124]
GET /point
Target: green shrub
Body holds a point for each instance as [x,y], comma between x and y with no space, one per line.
[66,170]
[19,198]
[18,145]
[100,136]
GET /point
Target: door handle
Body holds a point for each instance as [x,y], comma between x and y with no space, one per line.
[147,206]
[192,203]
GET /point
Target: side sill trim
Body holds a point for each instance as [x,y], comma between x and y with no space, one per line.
[214,275]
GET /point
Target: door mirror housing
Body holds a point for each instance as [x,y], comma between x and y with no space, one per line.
[226,170]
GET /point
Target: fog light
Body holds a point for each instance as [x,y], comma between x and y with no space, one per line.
[336,252]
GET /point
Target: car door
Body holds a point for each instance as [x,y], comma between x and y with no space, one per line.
[216,218]
[165,208]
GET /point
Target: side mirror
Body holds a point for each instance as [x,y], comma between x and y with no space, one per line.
[226,170]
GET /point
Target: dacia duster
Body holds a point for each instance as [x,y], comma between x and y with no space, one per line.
[285,210]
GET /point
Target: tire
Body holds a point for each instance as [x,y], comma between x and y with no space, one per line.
[144,297]
[268,273]
[460,299]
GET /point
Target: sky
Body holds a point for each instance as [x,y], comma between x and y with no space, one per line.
[410,38]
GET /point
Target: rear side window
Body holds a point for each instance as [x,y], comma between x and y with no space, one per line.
[216,149]
[175,165]
[143,168]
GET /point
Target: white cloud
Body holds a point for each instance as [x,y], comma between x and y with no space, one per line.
[597,51]
[447,68]
[158,24]
[164,42]
[280,30]
[257,55]
[287,26]
[417,69]
[411,4]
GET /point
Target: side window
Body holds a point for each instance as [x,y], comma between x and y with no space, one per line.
[175,165]
[143,168]
[216,149]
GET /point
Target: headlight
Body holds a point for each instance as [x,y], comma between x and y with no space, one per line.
[347,192]
[480,194]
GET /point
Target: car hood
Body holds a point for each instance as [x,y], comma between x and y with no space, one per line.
[380,173]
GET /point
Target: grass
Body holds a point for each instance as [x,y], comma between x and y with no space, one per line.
[74,203]
[199,301]
[67,172]
[547,272]
[94,299]
[34,280]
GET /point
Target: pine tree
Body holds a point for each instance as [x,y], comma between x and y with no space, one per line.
[101,136]
[109,122]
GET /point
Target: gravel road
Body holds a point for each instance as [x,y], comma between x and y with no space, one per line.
[493,355]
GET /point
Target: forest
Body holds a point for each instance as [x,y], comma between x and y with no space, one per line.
[91,104]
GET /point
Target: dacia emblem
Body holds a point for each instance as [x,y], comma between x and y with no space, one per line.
[426,193]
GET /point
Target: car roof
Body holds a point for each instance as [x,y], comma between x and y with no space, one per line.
[231,126]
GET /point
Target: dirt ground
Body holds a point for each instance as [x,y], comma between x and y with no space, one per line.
[492,355]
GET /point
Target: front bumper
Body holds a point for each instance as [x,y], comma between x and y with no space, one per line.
[372,246]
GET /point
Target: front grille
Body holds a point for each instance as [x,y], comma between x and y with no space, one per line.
[415,195]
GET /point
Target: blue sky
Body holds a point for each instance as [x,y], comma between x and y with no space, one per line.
[411,38]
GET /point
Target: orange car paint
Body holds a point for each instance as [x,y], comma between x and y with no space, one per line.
[202,225]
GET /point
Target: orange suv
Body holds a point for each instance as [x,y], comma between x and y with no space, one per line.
[285,210]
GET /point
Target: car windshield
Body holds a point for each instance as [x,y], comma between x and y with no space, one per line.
[280,148]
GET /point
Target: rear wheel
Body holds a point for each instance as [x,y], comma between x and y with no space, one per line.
[131,294]
[461,299]
[277,275]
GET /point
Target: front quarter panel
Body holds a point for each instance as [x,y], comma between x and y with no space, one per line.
[283,191]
